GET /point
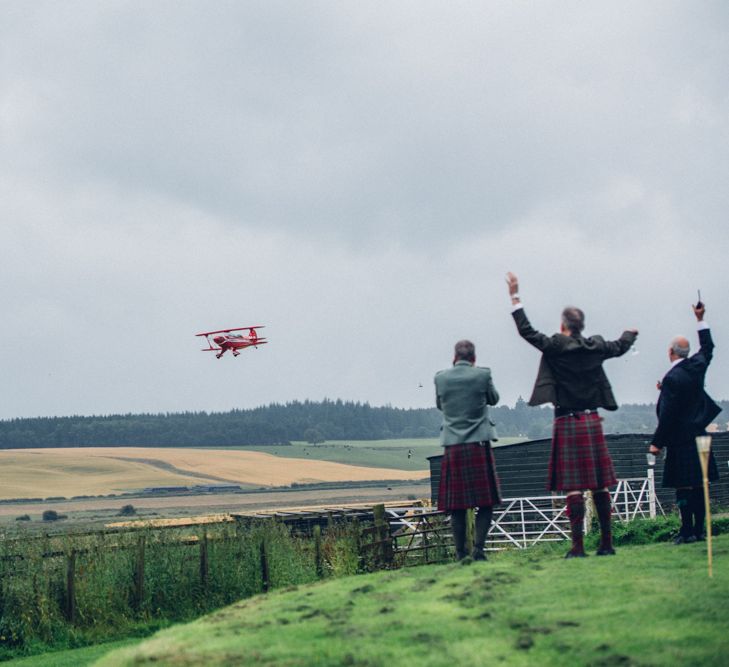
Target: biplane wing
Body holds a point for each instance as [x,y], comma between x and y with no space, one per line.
[209,333]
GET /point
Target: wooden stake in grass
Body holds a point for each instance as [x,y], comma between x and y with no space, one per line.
[703,445]
[71,587]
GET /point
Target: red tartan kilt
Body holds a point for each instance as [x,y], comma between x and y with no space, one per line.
[580,458]
[468,477]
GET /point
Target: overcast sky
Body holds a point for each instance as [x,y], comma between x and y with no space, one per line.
[358,177]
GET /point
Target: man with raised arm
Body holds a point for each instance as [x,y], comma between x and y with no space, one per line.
[468,475]
[571,377]
[684,411]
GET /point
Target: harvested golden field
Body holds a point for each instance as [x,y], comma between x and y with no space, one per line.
[43,473]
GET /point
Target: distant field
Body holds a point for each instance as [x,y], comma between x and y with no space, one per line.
[381,453]
[44,473]
[92,471]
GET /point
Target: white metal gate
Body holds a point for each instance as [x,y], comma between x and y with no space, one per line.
[523,522]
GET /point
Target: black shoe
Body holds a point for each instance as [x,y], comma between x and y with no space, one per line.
[685,539]
[605,552]
[478,555]
[700,538]
[578,554]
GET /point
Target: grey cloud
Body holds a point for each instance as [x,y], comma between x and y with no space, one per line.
[378,119]
[358,177]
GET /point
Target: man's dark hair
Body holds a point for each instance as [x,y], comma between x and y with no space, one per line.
[465,350]
[573,319]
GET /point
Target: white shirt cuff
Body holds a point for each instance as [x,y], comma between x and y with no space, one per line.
[516,307]
[702,325]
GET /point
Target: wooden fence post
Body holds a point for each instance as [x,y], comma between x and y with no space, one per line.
[357,529]
[382,533]
[264,566]
[139,574]
[424,525]
[317,552]
[71,587]
[204,560]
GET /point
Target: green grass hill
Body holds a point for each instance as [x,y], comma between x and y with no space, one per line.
[649,605]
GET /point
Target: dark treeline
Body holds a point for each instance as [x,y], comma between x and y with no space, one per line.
[270,425]
[278,424]
[534,423]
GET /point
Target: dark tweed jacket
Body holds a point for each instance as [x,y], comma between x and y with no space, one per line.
[570,372]
[684,408]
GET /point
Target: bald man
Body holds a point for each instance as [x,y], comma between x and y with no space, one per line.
[684,411]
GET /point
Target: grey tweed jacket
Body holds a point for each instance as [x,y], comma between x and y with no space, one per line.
[463,394]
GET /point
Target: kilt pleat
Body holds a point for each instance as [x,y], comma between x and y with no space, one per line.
[468,477]
[580,458]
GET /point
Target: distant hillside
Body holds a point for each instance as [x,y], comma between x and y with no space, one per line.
[278,424]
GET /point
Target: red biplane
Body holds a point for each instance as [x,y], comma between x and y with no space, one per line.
[232,341]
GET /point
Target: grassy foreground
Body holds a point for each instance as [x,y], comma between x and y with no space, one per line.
[649,605]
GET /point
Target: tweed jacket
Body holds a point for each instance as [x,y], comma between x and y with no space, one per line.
[463,394]
[570,371]
[684,409]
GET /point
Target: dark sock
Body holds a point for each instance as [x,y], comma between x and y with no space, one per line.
[458,528]
[698,510]
[683,498]
[483,523]
[603,506]
[576,514]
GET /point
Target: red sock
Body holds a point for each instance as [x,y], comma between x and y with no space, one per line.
[576,514]
[604,510]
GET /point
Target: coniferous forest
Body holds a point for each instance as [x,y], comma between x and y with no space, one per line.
[277,424]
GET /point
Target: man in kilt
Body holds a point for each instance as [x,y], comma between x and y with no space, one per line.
[571,377]
[684,411]
[468,475]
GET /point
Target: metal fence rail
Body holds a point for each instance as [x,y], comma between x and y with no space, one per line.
[518,522]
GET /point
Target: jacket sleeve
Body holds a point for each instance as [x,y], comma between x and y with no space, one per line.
[539,340]
[706,351]
[668,413]
[617,348]
[492,396]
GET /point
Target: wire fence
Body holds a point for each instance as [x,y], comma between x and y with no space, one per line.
[55,587]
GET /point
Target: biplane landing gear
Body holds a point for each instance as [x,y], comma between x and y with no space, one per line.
[219,354]
[236,353]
